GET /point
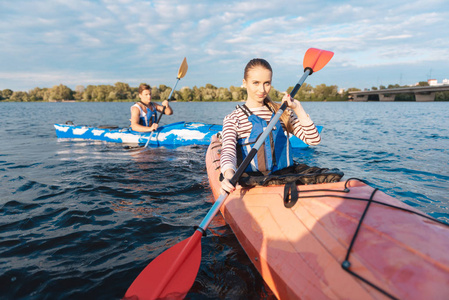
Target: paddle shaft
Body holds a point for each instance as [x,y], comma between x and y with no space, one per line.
[163,111]
[169,97]
[216,207]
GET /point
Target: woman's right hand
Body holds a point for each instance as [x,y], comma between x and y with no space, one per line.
[154,126]
[226,185]
[290,101]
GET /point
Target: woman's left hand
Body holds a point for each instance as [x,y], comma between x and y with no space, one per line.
[290,101]
[165,103]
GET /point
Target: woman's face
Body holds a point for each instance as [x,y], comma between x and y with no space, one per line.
[145,96]
[258,84]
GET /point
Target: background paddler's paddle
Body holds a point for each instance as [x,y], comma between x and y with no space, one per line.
[172,274]
[181,73]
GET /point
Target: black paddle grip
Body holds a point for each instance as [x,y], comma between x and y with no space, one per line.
[243,166]
[295,90]
[160,116]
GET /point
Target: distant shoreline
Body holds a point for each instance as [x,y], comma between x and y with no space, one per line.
[175,101]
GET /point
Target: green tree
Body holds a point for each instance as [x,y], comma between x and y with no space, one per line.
[223,94]
[20,96]
[163,88]
[88,93]
[238,93]
[155,93]
[165,93]
[275,95]
[209,92]
[7,93]
[59,92]
[79,91]
[323,92]
[442,96]
[122,91]
[186,94]
[37,94]
[112,96]
[176,96]
[101,92]
[197,94]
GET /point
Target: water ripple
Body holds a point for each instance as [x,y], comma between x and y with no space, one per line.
[82,219]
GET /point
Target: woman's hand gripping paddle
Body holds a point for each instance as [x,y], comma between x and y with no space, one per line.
[181,73]
[172,274]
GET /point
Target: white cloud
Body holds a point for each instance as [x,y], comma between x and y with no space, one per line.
[120,40]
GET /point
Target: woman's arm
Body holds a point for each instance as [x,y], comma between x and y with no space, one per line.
[303,126]
[228,157]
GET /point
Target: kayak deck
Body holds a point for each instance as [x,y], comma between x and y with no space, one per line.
[397,252]
[175,134]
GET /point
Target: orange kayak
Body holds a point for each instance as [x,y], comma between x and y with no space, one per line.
[343,240]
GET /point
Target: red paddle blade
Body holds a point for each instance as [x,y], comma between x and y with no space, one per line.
[316,59]
[171,274]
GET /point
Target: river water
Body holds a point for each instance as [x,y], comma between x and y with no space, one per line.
[80,220]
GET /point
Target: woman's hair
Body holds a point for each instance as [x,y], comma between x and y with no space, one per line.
[256,62]
[143,87]
[260,62]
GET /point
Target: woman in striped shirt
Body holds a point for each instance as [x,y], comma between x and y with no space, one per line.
[238,127]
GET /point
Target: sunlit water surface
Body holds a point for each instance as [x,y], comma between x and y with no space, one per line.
[80,220]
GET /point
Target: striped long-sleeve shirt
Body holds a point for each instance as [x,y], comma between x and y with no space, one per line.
[236,126]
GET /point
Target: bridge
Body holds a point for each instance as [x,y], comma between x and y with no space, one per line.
[422,93]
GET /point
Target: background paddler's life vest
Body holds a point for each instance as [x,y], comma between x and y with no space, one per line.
[274,154]
[150,117]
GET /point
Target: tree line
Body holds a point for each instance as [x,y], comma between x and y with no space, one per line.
[123,92]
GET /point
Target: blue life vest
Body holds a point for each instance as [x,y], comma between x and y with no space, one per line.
[275,152]
[150,117]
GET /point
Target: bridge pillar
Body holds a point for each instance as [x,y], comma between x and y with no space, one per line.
[386,97]
[361,98]
[424,97]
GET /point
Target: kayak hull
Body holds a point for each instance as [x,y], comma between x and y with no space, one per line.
[175,134]
[299,251]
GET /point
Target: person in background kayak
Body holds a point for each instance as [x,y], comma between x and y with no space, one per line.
[242,127]
[144,112]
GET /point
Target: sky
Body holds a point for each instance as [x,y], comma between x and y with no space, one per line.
[50,42]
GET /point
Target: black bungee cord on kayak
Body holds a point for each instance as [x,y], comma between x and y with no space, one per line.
[291,196]
[346,190]
[346,264]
